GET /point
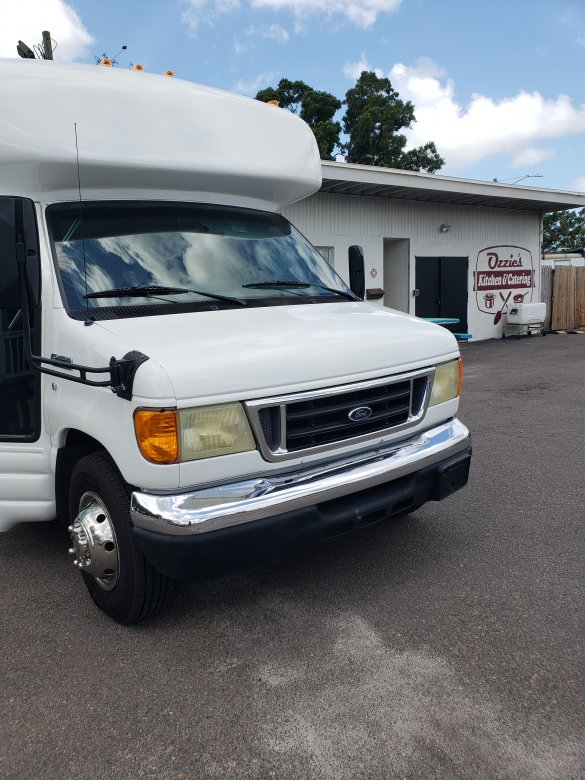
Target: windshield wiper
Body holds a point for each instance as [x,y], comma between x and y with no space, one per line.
[349,295]
[299,284]
[156,290]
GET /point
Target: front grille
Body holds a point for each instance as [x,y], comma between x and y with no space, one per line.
[322,419]
[325,420]
[269,421]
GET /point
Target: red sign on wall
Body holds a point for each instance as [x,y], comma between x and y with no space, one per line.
[502,280]
[504,275]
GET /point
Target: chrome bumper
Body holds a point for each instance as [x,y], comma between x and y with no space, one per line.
[211,509]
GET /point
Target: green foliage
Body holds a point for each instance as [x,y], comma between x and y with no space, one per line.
[423,158]
[374,116]
[564,231]
[327,137]
[315,107]
[373,119]
[318,106]
[288,93]
[267,94]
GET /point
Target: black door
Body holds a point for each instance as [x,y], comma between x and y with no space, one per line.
[19,384]
[441,284]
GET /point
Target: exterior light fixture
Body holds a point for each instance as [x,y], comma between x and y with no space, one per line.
[445,228]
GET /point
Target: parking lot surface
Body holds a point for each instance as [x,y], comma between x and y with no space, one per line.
[447,644]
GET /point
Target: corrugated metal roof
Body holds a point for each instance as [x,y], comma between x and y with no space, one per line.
[367,180]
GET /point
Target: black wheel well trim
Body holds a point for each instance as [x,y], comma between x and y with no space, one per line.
[77,445]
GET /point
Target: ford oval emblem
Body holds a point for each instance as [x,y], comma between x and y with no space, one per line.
[360,414]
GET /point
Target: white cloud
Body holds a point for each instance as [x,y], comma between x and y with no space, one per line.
[353,70]
[467,133]
[252,87]
[578,184]
[422,82]
[273,32]
[26,20]
[530,156]
[199,12]
[363,13]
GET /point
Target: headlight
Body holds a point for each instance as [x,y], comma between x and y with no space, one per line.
[447,382]
[209,431]
[188,434]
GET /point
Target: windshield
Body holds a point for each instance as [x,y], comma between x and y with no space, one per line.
[114,258]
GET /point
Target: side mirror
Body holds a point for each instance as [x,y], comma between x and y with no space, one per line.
[11,225]
[357,279]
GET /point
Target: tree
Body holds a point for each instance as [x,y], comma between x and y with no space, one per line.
[374,116]
[564,231]
[288,93]
[315,107]
[373,120]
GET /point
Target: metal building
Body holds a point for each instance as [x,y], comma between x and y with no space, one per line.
[435,246]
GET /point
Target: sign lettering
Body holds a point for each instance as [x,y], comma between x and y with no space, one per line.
[503,276]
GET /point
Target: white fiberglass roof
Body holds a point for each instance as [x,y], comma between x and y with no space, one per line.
[142,135]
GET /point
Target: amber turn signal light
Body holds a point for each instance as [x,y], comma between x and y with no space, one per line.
[156,434]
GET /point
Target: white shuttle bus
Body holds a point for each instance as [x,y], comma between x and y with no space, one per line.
[185,383]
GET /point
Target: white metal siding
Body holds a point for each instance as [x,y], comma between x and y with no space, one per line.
[342,220]
[347,215]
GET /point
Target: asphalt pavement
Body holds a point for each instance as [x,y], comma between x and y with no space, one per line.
[448,644]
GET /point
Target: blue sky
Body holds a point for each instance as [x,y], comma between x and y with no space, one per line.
[499,86]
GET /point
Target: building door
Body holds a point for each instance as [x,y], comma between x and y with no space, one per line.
[441,289]
[397,273]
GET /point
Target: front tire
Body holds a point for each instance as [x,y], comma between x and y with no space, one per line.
[118,577]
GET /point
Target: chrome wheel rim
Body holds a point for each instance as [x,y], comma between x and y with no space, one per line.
[95,546]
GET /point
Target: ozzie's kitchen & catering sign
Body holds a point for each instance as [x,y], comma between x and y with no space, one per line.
[504,276]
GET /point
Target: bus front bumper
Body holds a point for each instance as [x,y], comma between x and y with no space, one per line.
[201,533]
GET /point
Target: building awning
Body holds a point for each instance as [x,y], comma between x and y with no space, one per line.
[371,181]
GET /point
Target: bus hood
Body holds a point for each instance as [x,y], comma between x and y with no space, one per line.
[211,357]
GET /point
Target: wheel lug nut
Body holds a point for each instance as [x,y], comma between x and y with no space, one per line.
[70,528]
[71,551]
